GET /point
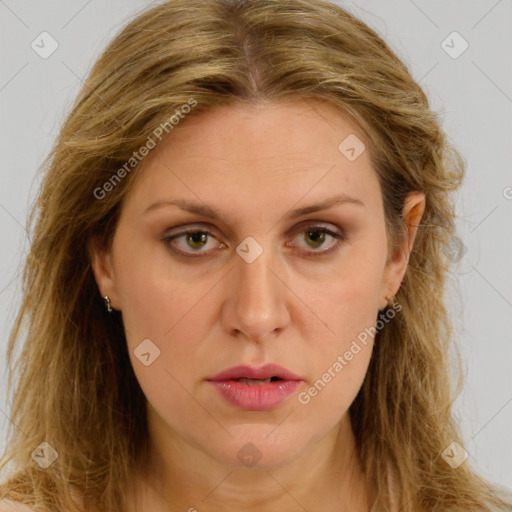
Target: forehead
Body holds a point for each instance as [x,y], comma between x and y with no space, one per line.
[293,129]
[282,151]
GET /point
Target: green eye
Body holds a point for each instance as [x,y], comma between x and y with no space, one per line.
[194,240]
[317,240]
[314,236]
[197,239]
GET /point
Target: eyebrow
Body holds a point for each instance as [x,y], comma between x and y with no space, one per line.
[203,209]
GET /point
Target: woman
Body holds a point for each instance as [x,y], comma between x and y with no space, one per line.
[234,295]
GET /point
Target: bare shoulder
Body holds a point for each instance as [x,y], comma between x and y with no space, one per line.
[14,506]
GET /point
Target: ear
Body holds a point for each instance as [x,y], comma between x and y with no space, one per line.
[398,260]
[101,263]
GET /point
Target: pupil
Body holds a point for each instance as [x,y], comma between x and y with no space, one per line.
[197,237]
[319,238]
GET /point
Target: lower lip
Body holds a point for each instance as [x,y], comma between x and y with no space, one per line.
[260,397]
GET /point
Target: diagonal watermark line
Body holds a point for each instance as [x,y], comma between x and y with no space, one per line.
[425,14]
[503,297]
[2,2]
[485,15]
[492,211]
[95,93]
[324,323]
[491,419]
[320,115]
[214,285]
[485,484]
[384,26]
[13,217]
[280,423]
[14,76]
[425,75]
[83,83]
[184,184]
[492,81]
[12,422]
[199,403]
[217,486]
[10,282]
[406,509]
[305,195]
[287,492]
[75,15]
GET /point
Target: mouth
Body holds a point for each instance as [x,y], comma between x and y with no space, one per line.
[256,389]
[257,382]
[253,376]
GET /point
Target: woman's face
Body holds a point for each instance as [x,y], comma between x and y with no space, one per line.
[266,285]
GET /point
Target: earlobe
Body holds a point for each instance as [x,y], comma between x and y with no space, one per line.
[101,263]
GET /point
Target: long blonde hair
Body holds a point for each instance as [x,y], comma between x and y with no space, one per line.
[74,385]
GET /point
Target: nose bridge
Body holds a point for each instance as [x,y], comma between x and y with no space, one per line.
[258,307]
[255,279]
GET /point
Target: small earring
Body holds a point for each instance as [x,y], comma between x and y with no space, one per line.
[390,300]
[107,303]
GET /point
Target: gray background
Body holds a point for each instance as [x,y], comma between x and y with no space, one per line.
[472,93]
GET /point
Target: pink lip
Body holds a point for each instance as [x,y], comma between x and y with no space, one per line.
[249,372]
[258,397]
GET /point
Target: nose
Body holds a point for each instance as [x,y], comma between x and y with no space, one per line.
[256,303]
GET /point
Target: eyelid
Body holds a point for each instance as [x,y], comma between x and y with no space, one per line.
[333,231]
[327,226]
[337,233]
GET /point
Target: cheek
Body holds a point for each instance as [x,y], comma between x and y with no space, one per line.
[157,299]
[347,301]
[339,361]
[167,317]
[343,340]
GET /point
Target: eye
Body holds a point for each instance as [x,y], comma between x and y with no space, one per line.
[316,237]
[193,241]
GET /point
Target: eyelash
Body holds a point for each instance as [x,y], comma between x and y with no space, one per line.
[309,229]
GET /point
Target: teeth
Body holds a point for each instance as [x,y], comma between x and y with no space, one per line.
[254,382]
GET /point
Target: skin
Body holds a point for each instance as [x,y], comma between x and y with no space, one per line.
[206,314]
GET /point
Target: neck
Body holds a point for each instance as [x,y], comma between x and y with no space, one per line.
[327,476]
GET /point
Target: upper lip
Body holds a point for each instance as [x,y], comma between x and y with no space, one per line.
[250,372]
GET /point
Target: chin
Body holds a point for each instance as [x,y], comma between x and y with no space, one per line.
[261,452]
